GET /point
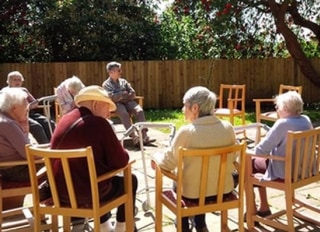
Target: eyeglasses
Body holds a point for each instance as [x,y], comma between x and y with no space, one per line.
[116,70]
[276,107]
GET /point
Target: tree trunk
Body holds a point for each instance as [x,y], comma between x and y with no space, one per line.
[292,43]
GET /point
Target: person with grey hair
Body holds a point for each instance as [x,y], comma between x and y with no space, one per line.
[122,93]
[289,108]
[39,124]
[66,92]
[204,130]
[14,130]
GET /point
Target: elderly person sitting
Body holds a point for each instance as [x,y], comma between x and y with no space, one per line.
[14,130]
[66,91]
[39,124]
[122,93]
[87,126]
[289,107]
[204,130]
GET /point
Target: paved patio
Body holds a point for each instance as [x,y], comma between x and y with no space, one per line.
[145,215]
[145,219]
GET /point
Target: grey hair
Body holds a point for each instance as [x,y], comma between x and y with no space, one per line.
[74,83]
[10,97]
[202,96]
[14,74]
[112,65]
[291,101]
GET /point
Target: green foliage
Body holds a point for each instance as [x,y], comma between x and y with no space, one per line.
[176,116]
[77,30]
[99,30]
[229,29]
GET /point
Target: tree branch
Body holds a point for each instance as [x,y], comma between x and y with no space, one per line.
[299,20]
[292,43]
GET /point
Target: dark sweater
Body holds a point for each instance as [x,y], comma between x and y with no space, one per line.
[108,152]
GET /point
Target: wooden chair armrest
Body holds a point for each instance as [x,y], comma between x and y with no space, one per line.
[139,99]
[49,98]
[113,173]
[17,163]
[166,173]
[13,163]
[263,100]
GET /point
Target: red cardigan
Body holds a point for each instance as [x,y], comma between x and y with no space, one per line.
[92,131]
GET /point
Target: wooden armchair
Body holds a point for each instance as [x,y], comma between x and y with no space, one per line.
[12,195]
[231,102]
[96,209]
[271,115]
[302,165]
[181,207]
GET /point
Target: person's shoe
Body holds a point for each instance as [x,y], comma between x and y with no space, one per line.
[107,226]
[256,224]
[147,140]
[264,213]
[204,229]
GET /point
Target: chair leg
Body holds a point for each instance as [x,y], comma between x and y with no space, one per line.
[54,223]
[66,224]
[179,222]
[289,205]
[129,216]
[37,222]
[250,198]
[158,216]
[224,221]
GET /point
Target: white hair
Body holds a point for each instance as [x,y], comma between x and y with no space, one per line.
[202,96]
[10,97]
[74,83]
[291,101]
[14,74]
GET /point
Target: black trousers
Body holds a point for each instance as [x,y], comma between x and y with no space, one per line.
[117,190]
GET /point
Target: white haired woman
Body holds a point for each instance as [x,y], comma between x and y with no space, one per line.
[204,130]
[289,107]
[39,124]
[66,91]
[14,130]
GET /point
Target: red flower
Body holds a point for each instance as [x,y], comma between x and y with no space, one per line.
[228,5]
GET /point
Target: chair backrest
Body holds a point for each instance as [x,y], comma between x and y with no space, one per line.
[232,96]
[225,156]
[64,156]
[302,156]
[92,208]
[286,88]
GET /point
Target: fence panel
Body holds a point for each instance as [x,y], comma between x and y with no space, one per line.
[163,83]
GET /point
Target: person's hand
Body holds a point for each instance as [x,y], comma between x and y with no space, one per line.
[153,165]
[25,126]
[125,93]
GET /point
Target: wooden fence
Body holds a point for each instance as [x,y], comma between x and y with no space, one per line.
[163,83]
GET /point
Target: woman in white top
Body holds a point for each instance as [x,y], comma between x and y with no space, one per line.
[66,92]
